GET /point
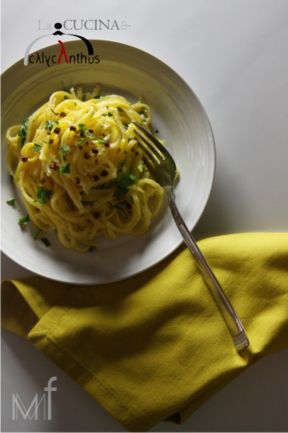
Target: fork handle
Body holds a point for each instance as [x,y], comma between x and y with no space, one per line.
[230,317]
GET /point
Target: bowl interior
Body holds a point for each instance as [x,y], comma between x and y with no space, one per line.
[176,113]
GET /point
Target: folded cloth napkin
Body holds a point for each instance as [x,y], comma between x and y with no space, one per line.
[155,346]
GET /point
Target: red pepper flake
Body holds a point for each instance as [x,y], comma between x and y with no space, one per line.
[94,150]
[96,177]
[57,130]
[24,158]
[72,128]
[86,155]
[62,114]
[51,141]
[54,165]
[106,144]
[96,214]
[77,180]
[104,173]
[91,131]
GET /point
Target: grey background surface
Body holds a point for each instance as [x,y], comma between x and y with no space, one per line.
[234,54]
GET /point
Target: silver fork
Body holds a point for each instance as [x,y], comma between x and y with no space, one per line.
[163,168]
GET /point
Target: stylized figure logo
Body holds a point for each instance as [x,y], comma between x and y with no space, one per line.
[63,52]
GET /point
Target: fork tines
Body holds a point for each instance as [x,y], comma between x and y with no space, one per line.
[149,144]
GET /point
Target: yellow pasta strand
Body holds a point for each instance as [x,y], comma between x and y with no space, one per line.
[79,169]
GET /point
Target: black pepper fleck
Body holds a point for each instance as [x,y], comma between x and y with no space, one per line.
[54,165]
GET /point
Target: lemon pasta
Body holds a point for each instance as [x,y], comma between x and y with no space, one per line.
[79,170]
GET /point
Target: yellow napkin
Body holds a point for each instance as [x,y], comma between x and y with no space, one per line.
[154,346]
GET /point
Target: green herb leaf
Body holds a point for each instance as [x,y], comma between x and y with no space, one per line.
[24,220]
[37,147]
[49,124]
[43,195]
[65,148]
[11,202]
[100,140]
[22,131]
[81,141]
[123,181]
[64,169]
[82,128]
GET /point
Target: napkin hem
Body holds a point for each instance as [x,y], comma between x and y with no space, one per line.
[107,400]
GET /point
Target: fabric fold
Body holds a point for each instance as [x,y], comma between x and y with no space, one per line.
[155,346]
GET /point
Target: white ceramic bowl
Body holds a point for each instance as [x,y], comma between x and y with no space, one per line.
[182,123]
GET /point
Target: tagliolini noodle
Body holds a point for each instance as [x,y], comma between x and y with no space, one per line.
[79,169]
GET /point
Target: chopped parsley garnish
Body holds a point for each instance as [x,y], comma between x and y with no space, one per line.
[81,141]
[65,148]
[22,131]
[45,242]
[11,202]
[43,195]
[24,220]
[100,140]
[65,168]
[123,181]
[49,124]
[82,129]
[37,147]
